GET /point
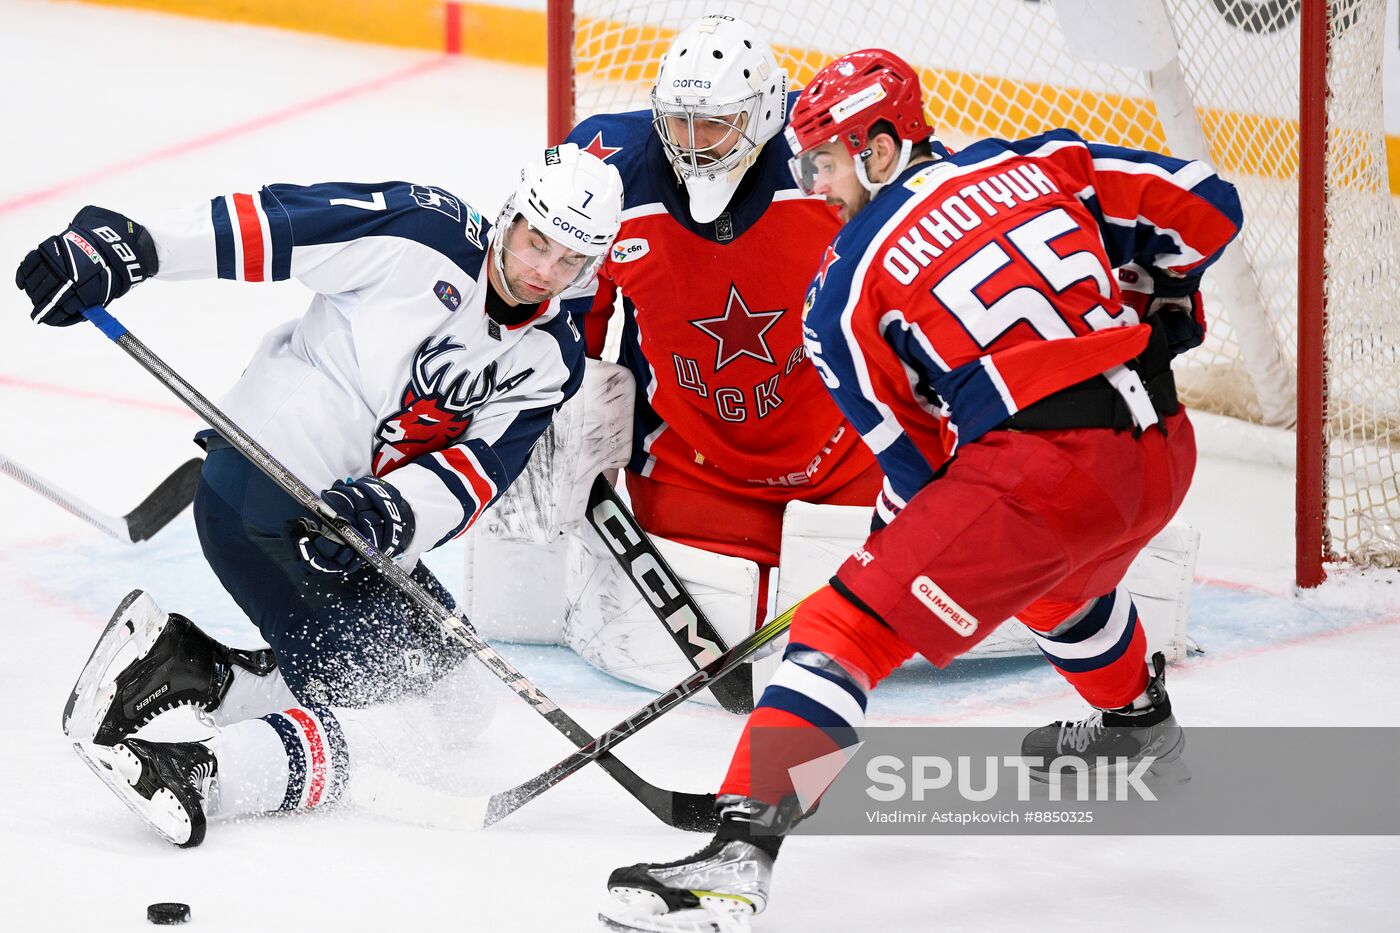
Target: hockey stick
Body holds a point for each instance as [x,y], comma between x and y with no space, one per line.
[506,802]
[392,795]
[685,811]
[665,593]
[155,511]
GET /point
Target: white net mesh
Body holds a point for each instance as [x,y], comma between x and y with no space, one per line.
[1001,68]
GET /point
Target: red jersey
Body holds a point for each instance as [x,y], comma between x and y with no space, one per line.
[980,283]
[727,399]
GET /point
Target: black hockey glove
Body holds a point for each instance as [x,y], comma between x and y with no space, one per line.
[1174,300]
[94,262]
[378,512]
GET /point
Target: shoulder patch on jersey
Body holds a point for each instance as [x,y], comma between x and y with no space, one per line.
[438,200]
[602,150]
[447,293]
[630,249]
[473,226]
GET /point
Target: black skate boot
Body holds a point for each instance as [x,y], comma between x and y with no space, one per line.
[147,662]
[716,890]
[1113,740]
[167,784]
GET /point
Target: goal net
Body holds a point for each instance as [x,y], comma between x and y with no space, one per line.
[1006,68]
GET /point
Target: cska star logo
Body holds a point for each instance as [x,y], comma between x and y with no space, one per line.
[828,258]
[602,150]
[437,406]
[740,331]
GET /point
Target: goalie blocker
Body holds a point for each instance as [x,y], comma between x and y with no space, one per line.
[580,596]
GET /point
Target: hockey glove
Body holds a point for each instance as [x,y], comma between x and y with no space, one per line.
[94,262]
[1175,300]
[377,511]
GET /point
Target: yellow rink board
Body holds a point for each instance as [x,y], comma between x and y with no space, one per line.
[967,104]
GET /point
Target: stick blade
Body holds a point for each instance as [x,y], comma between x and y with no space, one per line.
[168,500]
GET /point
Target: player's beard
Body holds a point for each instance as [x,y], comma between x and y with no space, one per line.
[849,208]
[528,293]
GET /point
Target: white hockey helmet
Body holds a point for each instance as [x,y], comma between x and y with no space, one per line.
[570,196]
[719,96]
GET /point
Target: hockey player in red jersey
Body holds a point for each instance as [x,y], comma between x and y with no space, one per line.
[730,421]
[969,323]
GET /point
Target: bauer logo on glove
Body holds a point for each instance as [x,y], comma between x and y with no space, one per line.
[95,261]
[373,508]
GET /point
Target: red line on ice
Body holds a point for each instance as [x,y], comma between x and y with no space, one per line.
[71,392]
[219,136]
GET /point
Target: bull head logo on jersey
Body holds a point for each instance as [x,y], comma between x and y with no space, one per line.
[437,407]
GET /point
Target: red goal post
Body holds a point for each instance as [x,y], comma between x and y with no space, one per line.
[1282,96]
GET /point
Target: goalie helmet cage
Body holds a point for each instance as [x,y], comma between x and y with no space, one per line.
[1282,96]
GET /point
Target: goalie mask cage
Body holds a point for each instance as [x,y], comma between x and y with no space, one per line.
[1282,96]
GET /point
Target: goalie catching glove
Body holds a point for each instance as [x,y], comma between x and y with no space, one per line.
[373,507]
[1175,299]
[94,262]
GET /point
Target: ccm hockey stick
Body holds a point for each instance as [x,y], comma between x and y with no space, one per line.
[155,511]
[685,811]
[665,593]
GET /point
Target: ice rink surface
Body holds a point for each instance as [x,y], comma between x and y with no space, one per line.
[139,112]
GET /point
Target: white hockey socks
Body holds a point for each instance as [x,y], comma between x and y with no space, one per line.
[295,759]
[250,696]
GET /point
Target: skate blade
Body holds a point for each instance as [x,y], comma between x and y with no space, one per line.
[634,910]
[134,627]
[119,770]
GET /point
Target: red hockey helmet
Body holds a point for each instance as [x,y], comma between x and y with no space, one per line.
[847,98]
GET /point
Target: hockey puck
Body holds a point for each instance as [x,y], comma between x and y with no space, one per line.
[168,913]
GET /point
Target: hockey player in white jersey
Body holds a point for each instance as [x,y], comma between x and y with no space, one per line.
[412,390]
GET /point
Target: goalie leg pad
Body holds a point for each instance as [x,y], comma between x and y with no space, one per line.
[591,433]
[515,588]
[613,627]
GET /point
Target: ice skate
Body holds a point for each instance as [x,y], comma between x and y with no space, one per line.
[166,784]
[146,662]
[717,889]
[1113,740]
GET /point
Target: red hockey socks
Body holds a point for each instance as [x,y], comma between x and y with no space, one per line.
[816,701]
[1102,654]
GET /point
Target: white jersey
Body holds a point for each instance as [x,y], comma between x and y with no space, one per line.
[397,368]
